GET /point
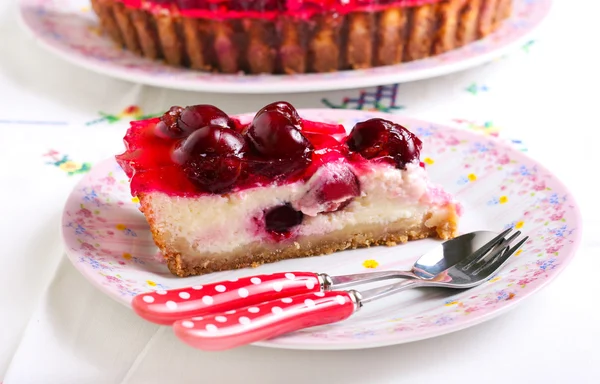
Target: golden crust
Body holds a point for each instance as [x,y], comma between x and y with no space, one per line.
[257,254]
[327,43]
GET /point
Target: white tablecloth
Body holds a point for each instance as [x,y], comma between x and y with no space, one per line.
[57,328]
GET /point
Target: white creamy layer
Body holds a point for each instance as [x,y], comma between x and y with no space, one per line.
[216,224]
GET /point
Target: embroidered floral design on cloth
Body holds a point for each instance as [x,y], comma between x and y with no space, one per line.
[64,163]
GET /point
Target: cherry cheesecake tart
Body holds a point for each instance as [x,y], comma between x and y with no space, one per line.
[296,36]
[220,194]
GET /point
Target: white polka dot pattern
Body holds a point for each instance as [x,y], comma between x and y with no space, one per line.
[265,320]
[184,295]
[166,306]
[187,324]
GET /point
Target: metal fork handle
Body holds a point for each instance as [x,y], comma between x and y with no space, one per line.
[377,293]
[344,281]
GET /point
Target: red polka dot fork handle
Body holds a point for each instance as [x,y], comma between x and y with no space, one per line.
[166,307]
[216,332]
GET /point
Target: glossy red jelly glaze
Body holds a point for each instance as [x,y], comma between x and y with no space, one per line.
[223,9]
[224,156]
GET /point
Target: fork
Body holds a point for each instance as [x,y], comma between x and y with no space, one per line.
[220,331]
[166,307]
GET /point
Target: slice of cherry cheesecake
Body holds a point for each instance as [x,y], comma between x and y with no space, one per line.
[220,194]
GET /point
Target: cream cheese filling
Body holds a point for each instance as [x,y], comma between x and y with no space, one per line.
[222,223]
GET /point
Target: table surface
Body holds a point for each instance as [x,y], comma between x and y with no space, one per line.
[56,118]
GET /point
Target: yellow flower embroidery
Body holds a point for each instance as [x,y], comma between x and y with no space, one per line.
[121,227]
[472,177]
[428,161]
[518,252]
[151,283]
[503,200]
[135,199]
[370,264]
[127,256]
[70,166]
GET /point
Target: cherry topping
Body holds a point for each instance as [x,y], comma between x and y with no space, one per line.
[198,116]
[257,5]
[214,174]
[274,137]
[282,218]
[281,147]
[211,140]
[167,127]
[284,108]
[211,157]
[378,138]
[189,4]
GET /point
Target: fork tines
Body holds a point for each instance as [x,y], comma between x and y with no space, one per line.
[491,251]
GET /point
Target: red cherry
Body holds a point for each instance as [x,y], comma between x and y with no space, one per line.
[214,174]
[339,190]
[274,137]
[282,149]
[284,108]
[198,116]
[211,157]
[382,139]
[167,127]
[282,218]
[211,141]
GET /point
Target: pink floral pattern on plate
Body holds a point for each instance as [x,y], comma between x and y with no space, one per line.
[69,29]
[108,240]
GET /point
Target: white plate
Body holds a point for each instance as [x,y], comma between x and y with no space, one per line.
[69,29]
[109,242]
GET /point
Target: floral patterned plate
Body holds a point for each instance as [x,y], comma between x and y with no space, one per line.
[109,242]
[69,29]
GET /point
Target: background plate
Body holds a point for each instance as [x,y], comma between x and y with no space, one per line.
[70,29]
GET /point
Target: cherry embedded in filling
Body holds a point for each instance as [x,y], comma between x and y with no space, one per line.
[282,219]
[382,139]
[332,188]
[338,190]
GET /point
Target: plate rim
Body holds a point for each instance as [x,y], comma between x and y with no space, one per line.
[333,345]
[296,87]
